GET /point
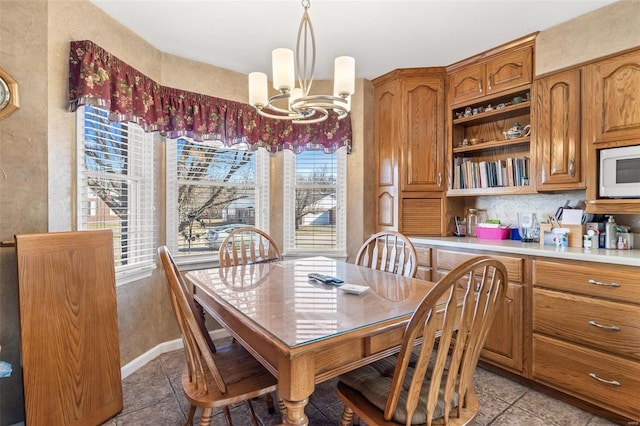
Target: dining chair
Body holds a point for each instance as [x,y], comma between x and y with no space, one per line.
[212,378]
[248,245]
[389,251]
[432,382]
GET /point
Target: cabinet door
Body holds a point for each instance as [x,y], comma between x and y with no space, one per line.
[387,119]
[509,70]
[467,83]
[504,341]
[556,123]
[422,156]
[613,93]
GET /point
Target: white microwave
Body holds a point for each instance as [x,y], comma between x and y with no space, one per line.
[620,172]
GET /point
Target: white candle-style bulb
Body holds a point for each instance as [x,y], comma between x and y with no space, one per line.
[344,81]
[284,78]
[295,94]
[258,90]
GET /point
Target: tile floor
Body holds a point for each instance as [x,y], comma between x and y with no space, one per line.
[153,396]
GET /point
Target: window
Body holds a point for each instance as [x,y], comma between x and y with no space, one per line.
[116,189]
[212,189]
[314,202]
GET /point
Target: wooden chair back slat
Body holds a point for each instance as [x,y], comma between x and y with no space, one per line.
[248,245]
[389,251]
[460,308]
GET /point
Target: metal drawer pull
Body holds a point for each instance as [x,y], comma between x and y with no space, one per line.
[606,327]
[603,284]
[609,382]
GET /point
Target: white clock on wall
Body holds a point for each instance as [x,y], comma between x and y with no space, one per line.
[8,94]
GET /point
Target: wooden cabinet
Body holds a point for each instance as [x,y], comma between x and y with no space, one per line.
[556,122]
[586,337]
[490,73]
[424,263]
[409,144]
[488,95]
[612,119]
[504,344]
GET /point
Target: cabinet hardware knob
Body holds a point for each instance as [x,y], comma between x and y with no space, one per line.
[606,327]
[439,180]
[480,86]
[594,282]
[490,77]
[572,167]
[609,382]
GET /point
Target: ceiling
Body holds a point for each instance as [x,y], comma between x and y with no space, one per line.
[381,35]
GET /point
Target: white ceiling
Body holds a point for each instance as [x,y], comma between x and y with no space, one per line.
[381,35]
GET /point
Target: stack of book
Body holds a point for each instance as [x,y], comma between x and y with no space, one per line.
[469,174]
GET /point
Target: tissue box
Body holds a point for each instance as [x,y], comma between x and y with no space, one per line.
[500,233]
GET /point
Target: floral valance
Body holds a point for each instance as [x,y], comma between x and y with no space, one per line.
[98,78]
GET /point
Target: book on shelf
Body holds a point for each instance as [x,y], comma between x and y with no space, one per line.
[471,174]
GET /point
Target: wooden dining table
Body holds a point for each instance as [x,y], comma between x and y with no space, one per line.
[305,332]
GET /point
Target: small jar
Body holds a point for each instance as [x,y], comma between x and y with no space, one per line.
[472,221]
[587,242]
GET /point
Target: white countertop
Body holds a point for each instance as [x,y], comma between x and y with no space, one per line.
[618,257]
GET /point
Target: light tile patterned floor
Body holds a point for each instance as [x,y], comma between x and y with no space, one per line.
[153,396]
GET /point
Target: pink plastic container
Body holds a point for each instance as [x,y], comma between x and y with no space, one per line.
[501,233]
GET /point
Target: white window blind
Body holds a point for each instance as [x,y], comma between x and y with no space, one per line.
[212,189]
[116,189]
[314,202]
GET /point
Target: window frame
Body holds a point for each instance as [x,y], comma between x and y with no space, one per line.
[289,187]
[141,197]
[261,200]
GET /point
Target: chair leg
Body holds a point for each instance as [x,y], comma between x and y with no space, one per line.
[227,416]
[270,408]
[252,413]
[282,408]
[347,416]
[192,412]
[205,418]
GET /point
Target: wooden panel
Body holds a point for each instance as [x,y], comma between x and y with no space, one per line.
[504,342]
[557,131]
[568,367]
[386,211]
[422,216]
[609,326]
[613,89]
[447,260]
[423,151]
[468,83]
[386,112]
[424,263]
[614,282]
[69,328]
[510,70]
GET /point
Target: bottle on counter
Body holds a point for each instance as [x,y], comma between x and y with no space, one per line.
[610,231]
[472,221]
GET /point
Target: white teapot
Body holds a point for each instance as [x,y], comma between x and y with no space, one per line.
[517,131]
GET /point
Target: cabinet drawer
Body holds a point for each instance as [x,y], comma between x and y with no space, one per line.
[582,372]
[616,282]
[610,326]
[448,260]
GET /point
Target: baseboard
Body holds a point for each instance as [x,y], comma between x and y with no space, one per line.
[158,350]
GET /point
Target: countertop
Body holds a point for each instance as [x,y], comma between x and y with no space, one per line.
[618,257]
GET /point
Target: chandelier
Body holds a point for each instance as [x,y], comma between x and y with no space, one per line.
[295,103]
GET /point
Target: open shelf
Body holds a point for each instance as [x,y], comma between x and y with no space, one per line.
[496,190]
[491,145]
[508,111]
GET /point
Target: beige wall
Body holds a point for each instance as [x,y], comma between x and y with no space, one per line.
[37,146]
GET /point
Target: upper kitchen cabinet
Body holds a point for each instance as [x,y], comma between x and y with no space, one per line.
[611,105]
[503,68]
[556,121]
[613,96]
[409,148]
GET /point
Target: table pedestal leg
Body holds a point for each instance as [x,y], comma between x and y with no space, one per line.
[295,412]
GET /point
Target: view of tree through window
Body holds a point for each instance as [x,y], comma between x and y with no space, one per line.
[215,192]
[314,196]
[115,186]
